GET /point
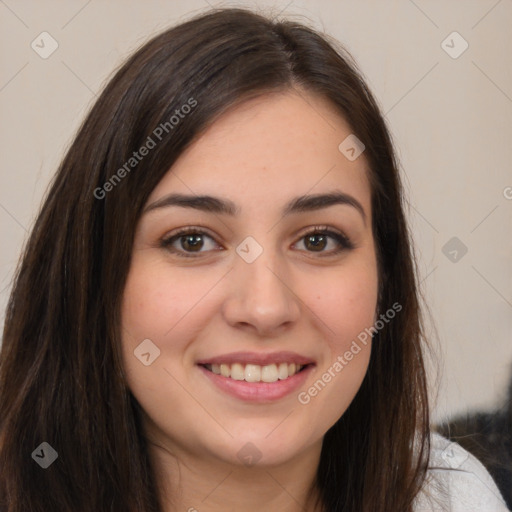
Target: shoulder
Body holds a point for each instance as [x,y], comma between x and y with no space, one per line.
[457,482]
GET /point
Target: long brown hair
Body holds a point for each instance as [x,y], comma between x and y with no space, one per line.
[61,377]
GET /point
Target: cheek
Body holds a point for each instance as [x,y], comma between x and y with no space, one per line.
[169,308]
[152,307]
[348,305]
[158,305]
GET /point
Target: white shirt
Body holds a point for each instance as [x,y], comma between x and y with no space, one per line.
[457,482]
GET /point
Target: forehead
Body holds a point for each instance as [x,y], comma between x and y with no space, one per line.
[270,148]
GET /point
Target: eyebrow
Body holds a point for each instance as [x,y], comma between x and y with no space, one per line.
[211,204]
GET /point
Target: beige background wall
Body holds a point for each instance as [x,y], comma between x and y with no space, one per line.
[451,119]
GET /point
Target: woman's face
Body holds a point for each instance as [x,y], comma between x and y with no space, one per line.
[251,292]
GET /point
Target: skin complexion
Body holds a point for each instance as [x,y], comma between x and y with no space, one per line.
[249,303]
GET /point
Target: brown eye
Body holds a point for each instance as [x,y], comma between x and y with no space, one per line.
[192,242]
[187,242]
[316,242]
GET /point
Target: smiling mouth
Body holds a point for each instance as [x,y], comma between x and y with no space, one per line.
[256,373]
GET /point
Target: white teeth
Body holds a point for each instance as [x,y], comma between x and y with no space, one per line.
[225,370]
[237,371]
[252,373]
[283,371]
[255,372]
[269,373]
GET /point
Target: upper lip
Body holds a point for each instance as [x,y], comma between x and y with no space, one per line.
[261,359]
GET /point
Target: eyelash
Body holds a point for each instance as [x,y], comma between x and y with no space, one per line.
[343,241]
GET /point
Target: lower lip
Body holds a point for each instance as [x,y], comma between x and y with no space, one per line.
[258,391]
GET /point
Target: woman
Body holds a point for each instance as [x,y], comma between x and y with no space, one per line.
[217,306]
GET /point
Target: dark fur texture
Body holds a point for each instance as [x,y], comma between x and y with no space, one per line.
[488,436]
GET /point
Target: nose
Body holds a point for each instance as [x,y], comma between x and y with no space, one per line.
[261,296]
